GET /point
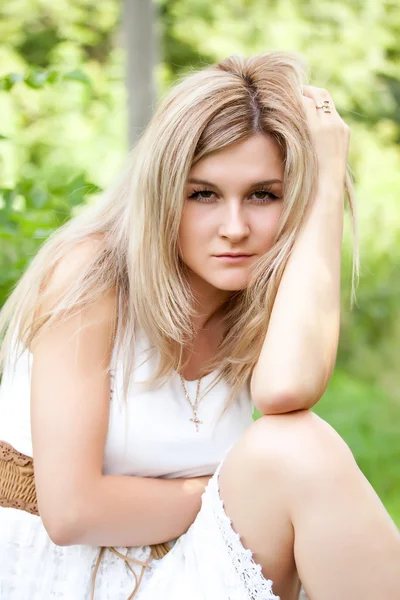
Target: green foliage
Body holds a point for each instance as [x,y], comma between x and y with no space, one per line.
[367,419]
[34,206]
[31,211]
[62,126]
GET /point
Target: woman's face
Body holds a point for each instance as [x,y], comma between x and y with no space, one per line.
[233,202]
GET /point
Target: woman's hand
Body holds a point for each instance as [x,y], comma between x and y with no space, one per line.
[330,135]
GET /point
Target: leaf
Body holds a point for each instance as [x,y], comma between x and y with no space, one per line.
[8,196]
[42,233]
[78,188]
[77,75]
[37,197]
[93,188]
[53,76]
[15,77]
[36,79]
[8,81]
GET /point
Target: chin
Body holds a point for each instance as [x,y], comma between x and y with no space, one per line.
[230,285]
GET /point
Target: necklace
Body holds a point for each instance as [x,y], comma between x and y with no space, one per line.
[194,405]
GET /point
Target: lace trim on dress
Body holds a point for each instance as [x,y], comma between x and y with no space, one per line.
[250,572]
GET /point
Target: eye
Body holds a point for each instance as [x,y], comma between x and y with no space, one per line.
[201,195]
[262,196]
[265,196]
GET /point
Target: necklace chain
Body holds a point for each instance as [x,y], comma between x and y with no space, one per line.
[194,404]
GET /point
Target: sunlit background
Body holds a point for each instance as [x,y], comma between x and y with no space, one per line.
[78,81]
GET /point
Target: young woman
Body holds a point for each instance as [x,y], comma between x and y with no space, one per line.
[135,347]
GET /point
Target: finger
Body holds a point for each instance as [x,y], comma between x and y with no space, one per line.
[318,95]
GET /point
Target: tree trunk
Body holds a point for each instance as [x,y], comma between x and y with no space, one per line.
[139,23]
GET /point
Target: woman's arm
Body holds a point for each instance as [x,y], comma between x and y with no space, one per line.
[300,347]
[69,412]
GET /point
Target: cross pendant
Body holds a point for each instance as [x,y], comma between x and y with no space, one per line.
[197,422]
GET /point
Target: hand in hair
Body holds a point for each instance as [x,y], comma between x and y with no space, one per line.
[330,134]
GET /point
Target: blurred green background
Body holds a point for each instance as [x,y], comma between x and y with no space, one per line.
[64,137]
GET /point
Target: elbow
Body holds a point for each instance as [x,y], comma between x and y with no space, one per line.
[61,535]
[65,524]
[277,405]
[66,508]
[284,401]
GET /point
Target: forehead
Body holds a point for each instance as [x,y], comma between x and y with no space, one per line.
[258,156]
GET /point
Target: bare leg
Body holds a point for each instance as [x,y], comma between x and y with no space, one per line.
[298,499]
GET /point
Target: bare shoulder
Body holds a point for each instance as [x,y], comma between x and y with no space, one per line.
[72,263]
[60,280]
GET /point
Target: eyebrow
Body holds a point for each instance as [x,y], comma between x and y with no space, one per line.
[203,182]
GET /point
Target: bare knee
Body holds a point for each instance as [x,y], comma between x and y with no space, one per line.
[290,450]
[296,435]
[272,479]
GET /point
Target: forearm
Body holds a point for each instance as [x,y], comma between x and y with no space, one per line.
[300,347]
[130,511]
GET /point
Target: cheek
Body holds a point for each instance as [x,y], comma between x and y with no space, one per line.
[193,233]
[265,229]
[194,225]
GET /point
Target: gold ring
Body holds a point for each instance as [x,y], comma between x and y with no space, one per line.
[325,106]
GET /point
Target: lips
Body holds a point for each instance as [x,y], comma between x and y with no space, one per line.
[235,259]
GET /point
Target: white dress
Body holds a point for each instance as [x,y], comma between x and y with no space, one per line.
[150,435]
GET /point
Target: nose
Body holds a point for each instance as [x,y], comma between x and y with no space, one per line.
[234,223]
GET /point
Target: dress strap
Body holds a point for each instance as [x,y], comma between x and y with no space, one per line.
[157,551]
[128,560]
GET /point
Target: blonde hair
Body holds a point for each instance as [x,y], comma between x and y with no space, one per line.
[137,221]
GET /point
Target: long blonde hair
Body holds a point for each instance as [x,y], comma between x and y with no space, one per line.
[137,221]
